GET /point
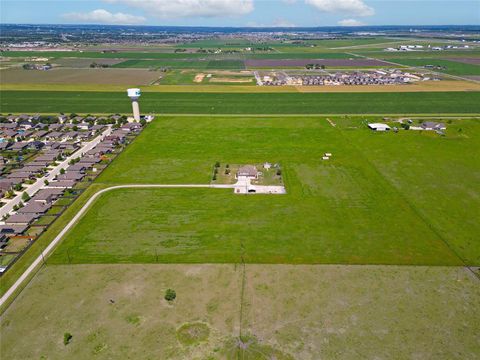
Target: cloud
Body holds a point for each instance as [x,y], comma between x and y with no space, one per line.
[354,7]
[350,22]
[190,8]
[102,16]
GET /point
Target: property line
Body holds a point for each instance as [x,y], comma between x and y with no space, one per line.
[416,211]
[46,252]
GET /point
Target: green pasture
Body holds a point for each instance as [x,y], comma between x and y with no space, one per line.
[357,208]
[243,103]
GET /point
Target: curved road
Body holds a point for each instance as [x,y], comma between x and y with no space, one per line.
[72,222]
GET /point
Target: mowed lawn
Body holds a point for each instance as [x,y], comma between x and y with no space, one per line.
[374,202]
[242,103]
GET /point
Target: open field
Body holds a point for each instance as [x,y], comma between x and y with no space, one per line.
[451,67]
[355,63]
[244,103]
[290,312]
[133,77]
[182,81]
[366,186]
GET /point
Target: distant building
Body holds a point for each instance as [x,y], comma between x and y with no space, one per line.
[379,127]
[430,125]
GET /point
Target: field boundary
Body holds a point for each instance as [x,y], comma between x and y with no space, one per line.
[40,260]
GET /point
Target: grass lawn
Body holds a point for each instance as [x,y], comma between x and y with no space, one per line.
[287,312]
[362,206]
[243,103]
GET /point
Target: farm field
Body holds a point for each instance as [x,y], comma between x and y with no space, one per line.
[326,217]
[451,67]
[243,103]
[80,76]
[182,81]
[289,312]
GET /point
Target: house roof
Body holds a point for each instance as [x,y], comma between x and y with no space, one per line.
[21,218]
[34,208]
[247,170]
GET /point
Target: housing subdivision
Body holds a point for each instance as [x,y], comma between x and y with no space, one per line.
[46,163]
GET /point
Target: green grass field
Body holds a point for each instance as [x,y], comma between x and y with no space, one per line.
[451,67]
[245,103]
[380,200]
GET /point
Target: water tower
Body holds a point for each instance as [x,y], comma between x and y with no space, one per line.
[134,94]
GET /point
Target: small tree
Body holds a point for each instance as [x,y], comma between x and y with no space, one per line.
[279,172]
[170,295]
[46,182]
[217,164]
[25,196]
[62,171]
[67,338]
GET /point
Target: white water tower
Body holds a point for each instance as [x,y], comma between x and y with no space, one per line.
[134,94]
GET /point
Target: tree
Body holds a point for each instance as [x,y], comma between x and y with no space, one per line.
[46,182]
[170,295]
[17,187]
[67,338]
[62,171]
[25,196]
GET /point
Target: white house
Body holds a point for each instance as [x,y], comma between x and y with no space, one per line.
[378,127]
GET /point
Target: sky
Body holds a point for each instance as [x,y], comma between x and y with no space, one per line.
[235,13]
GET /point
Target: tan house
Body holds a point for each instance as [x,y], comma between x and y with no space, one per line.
[248,171]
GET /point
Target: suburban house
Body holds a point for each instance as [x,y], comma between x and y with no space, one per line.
[430,125]
[248,171]
[21,219]
[378,127]
[47,196]
[63,184]
[34,208]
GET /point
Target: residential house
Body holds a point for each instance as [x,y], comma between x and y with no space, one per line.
[248,171]
[47,196]
[22,219]
[34,207]
[430,125]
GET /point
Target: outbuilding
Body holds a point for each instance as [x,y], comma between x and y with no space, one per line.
[378,127]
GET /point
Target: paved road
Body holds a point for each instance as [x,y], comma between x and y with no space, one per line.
[82,211]
[40,183]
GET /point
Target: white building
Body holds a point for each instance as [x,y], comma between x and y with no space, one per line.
[379,127]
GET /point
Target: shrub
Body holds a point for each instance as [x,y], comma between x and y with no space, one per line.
[46,182]
[170,295]
[62,171]
[217,164]
[25,196]
[67,338]
[279,172]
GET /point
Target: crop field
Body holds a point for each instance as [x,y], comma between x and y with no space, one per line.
[450,67]
[283,312]
[80,76]
[267,63]
[243,103]
[366,206]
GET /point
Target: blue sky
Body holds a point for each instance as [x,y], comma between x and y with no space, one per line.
[243,12]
